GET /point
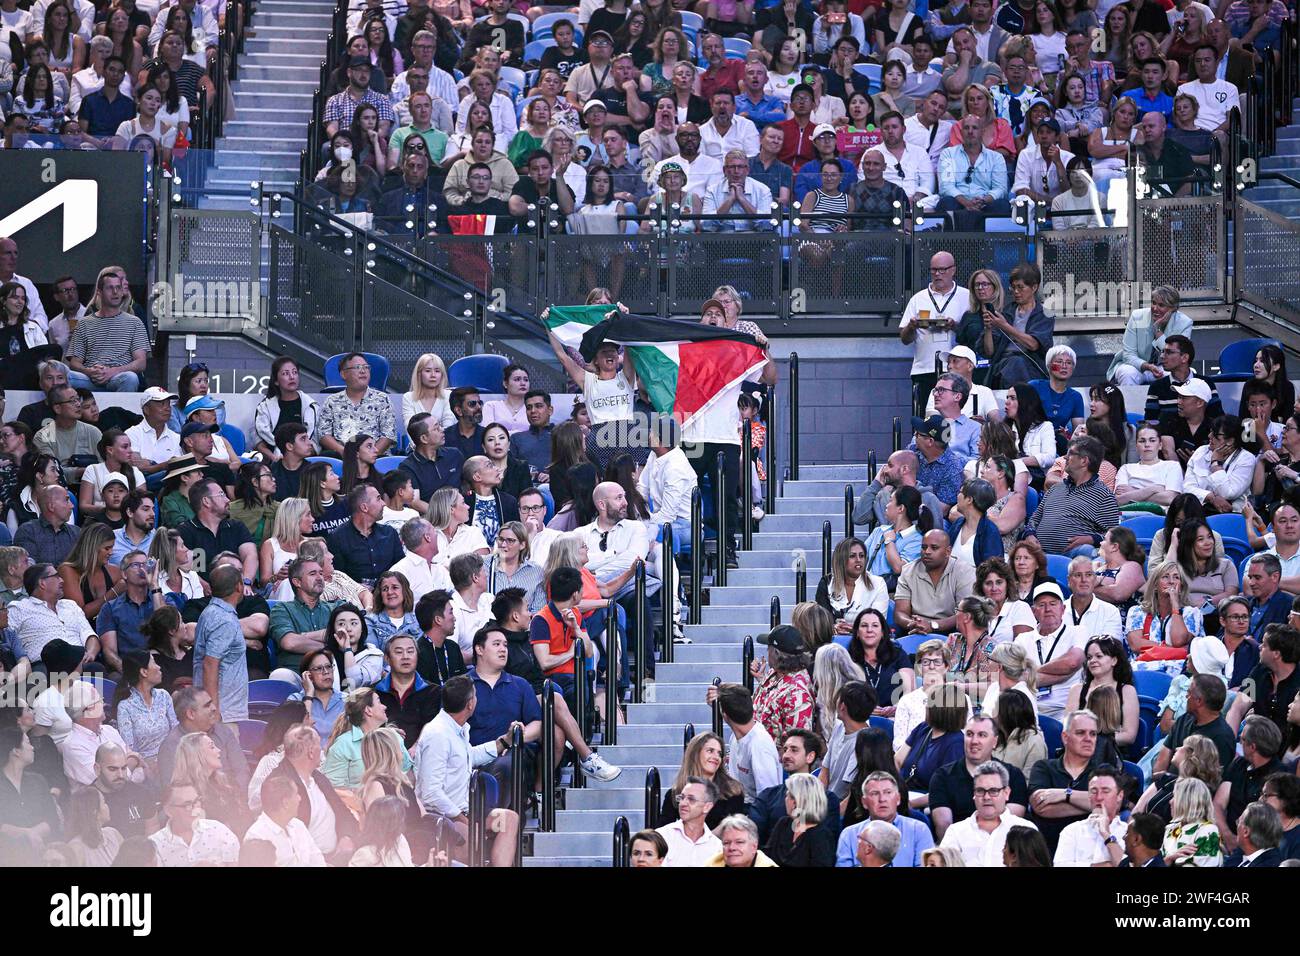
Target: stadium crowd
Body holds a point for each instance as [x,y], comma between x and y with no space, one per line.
[1099,603]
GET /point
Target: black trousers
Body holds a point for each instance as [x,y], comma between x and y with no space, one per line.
[703,458]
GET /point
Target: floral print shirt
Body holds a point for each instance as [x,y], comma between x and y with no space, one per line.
[783,702]
[373,416]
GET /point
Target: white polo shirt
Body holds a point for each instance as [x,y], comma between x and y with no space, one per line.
[682,851]
[1214,101]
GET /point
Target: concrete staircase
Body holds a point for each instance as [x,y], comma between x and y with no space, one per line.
[278,73]
[653,735]
[1279,197]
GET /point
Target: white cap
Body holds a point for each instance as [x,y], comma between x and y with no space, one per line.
[1195,388]
[155,394]
[1050,588]
[962,352]
[1210,656]
[823,128]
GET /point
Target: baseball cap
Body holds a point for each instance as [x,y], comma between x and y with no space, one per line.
[933,427]
[194,428]
[823,128]
[592,104]
[201,403]
[714,303]
[1048,588]
[1039,101]
[359,61]
[1209,656]
[115,480]
[1051,124]
[783,637]
[961,352]
[670,166]
[591,38]
[155,394]
[1195,388]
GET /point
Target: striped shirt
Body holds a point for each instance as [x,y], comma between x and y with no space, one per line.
[108,340]
[527,576]
[1069,510]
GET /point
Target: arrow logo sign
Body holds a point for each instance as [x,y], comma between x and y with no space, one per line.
[80,201]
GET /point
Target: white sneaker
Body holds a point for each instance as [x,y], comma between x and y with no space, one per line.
[595,766]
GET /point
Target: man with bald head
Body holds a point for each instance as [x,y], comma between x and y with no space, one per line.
[489,506]
[132,809]
[930,318]
[898,472]
[1167,165]
[930,588]
[615,544]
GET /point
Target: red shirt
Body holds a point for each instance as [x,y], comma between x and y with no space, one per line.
[729,76]
[797,147]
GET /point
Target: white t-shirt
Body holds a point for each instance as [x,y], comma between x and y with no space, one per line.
[395,519]
[1045,648]
[1164,474]
[1215,100]
[162,134]
[98,474]
[929,342]
[755,762]
[607,400]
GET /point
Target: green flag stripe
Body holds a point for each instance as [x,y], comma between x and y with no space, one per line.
[656,368]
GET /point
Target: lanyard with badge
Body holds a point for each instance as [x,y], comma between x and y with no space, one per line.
[1046,692]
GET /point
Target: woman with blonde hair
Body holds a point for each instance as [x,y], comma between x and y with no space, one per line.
[449,515]
[942,857]
[382,842]
[704,759]
[176,572]
[832,669]
[509,566]
[996,132]
[1015,670]
[1197,757]
[428,392]
[89,581]
[849,588]
[1161,627]
[814,624]
[293,523]
[1192,837]
[198,765]
[800,838]
[986,290]
[363,712]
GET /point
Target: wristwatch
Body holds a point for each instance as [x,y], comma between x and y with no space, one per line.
[1069,792]
[1110,839]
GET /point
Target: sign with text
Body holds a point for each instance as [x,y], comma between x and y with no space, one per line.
[73,212]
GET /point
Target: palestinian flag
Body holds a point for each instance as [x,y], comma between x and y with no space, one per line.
[569,323]
[688,369]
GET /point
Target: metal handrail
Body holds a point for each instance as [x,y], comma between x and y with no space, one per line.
[611,673]
[826,547]
[720,498]
[746,485]
[546,812]
[794,417]
[638,642]
[581,699]
[622,851]
[652,798]
[769,450]
[774,613]
[697,554]
[717,708]
[517,787]
[668,569]
[800,577]
[477,818]
[747,659]
[897,433]
[848,512]
[688,734]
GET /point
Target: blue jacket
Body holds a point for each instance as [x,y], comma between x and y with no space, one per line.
[988,539]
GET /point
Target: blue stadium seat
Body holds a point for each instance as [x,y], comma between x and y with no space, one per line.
[270,691]
[250,736]
[1237,360]
[480,371]
[692,24]
[512,80]
[885,724]
[1058,569]
[107,688]
[533,51]
[737,47]
[544,26]
[333,463]
[1149,709]
[911,642]
[1135,418]
[1031,501]
[6,538]
[1135,772]
[233,435]
[379,369]
[1237,550]
[388,463]
[1153,684]
[1144,525]
[872,71]
[1228,526]
[1052,730]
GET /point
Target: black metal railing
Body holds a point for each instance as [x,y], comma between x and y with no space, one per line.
[622,850]
[668,590]
[800,577]
[478,814]
[716,708]
[688,734]
[769,451]
[518,787]
[611,673]
[773,612]
[697,555]
[721,494]
[826,547]
[848,513]
[746,485]
[546,812]
[746,661]
[897,433]
[582,716]
[652,798]
[638,642]
[794,417]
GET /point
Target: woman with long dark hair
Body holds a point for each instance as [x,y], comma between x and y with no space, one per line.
[1183,508]
[622,470]
[515,476]
[1106,400]
[1106,664]
[284,403]
[172,644]
[35,472]
[115,455]
[887,666]
[87,828]
[704,759]
[89,580]
[891,546]
[1270,368]
[874,751]
[320,485]
[568,448]
[1035,437]
[270,752]
[192,382]
[19,333]
[144,713]
[175,107]
[1025,847]
[254,505]
[356,662]
[1020,740]
[633,37]
[1211,579]
[359,457]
